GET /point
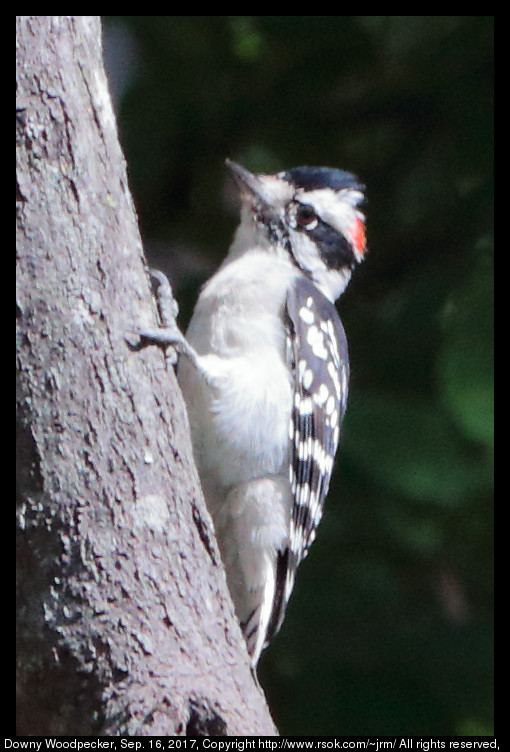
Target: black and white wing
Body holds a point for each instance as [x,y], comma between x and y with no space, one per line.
[318,356]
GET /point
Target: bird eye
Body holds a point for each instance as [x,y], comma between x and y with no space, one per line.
[306,218]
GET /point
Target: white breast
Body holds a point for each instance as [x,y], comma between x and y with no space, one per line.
[240,416]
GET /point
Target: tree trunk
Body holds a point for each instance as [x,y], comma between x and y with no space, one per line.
[125,625]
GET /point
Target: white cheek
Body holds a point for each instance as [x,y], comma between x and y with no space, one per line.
[305,251]
[331,282]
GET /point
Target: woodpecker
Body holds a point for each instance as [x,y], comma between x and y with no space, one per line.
[265,379]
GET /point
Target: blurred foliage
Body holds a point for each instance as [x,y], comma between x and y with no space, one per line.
[389,630]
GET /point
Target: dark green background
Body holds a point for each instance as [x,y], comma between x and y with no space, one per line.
[389,630]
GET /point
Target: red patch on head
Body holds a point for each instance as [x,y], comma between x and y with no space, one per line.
[357,231]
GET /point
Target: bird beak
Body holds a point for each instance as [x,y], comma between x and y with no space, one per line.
[250,186]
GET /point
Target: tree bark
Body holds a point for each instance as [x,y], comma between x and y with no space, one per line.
[125,624]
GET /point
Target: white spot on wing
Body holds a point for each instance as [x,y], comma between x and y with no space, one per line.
[315,339]
[307,315]
[307,378]
[321,395]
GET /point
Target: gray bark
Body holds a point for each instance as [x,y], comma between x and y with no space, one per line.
[125,625]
